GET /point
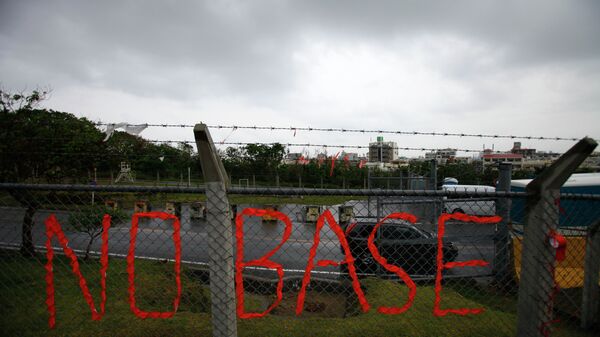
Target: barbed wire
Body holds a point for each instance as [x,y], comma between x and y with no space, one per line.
[380,131]
[315,145]
[325,146]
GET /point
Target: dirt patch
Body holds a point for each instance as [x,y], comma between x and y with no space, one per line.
[316,304]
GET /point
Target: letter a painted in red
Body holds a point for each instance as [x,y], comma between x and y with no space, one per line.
[348,260]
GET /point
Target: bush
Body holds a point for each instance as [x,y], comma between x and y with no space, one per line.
[88,220]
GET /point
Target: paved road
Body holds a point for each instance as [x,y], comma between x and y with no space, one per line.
[154,238]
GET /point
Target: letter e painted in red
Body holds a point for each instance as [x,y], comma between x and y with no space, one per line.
[448,265]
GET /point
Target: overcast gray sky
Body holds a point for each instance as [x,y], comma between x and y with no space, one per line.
[500,67]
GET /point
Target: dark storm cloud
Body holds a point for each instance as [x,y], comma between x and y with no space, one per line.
[107,45]
[531,30]
[444,65]
[246,47]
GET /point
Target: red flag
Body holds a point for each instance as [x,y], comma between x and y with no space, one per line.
[333,159]
[303,161]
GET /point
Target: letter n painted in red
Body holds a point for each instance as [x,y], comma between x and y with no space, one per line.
[53,229]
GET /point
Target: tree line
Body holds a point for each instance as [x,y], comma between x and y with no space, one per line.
[41,145]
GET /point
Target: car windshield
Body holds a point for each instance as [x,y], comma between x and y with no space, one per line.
[390,231]
[425,233]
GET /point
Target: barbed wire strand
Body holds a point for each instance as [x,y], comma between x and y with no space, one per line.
[324,146]
[312,145]
[397,132]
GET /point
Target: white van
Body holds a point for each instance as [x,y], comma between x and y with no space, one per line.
[471,205]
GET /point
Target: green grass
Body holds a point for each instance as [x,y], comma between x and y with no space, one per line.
[130,198]
[302,200]
[67,200]
[23,312]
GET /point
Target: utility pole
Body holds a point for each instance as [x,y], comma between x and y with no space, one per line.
[95,183]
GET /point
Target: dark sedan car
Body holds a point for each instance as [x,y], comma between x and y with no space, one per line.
[402,244]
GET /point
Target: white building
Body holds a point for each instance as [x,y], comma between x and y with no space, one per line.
[382,152]
[441,156]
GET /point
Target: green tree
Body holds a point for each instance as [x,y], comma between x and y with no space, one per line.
[88,220]
[264,158]
[39,145]
[254,159]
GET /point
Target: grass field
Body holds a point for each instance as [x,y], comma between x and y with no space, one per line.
[23,311]
[70,200]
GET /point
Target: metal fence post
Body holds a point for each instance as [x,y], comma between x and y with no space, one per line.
[433,175]
[591,293]
[432,183]
[501,238]
[536,288]
[220,236]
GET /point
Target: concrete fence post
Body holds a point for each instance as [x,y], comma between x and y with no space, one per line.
[433,175]
[502,272]
[591,292]
[220,236]
[536,288]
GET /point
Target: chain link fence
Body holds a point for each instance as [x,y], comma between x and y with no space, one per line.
[108,260]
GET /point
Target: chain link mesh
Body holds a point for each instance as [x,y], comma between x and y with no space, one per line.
[331,233]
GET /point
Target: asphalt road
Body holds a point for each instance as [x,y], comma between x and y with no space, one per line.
[154,239]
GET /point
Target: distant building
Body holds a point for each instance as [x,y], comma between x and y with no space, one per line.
[462,160]
[441,156]
[547,155]
[350,156]
[382,152]
[531,164]
[592,162]
[521,158]
[527,153]
[384,167]
[492,158]
[401,162]
[291,158]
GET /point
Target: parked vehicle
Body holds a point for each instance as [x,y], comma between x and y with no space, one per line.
[580,213]
[401,243]
[472,205]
